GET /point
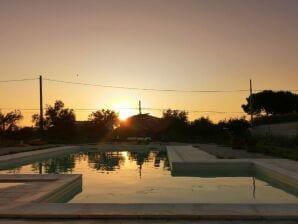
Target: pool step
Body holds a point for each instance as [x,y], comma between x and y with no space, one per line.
[190,161]
[187,153]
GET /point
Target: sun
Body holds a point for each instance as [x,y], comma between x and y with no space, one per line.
[125,110]
[124,113]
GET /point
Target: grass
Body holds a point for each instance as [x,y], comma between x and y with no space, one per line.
[279,147]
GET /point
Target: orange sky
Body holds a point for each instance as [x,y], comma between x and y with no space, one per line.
[169,44]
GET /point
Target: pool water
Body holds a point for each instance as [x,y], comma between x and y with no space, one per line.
[145,177]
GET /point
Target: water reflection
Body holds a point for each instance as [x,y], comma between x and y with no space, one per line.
[149,156]
[63,164]
[105,161]
[144,176]
[98,160]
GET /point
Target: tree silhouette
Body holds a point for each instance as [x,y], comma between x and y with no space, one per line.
[272,103]
[104,118]
[101,123]
[175,124]
[8,121]
[105,161]
[237,128]
[58,121]
[203,127]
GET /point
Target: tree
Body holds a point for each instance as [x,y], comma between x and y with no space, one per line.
[175,115]
[8,121]
[101,123]
[59,121]
[238,131]
[175,124]
[272,103]
[104,118]
[203,127]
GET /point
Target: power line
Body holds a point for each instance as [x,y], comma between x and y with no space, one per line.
[145,89]
[156,89]
[135,108]
[17,80]
[138,88]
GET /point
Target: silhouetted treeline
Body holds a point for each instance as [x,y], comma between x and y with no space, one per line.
[270,102]
[60,125]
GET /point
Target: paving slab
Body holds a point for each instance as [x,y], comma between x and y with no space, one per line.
[139,221]
[153,211]
[185,159]
[35,152]
[18,149]
[36,188]
[283,170]
[187,153]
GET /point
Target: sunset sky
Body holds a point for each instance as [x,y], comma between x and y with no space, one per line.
[162,44]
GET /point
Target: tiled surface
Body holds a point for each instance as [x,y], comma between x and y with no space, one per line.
[187,154]
[138,221]
[188,157]
[34,188]
[35,152]
[161,211]
[18,149]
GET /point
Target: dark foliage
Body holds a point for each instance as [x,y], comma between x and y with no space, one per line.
[272,103]
[274,119]
[59,123]
[9,120]
[175,125]
[203,130]
[100,125]
[237,129]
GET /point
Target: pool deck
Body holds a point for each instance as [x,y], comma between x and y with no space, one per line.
[139,221]
[186,158]
[32,199]
[34,153]
[34,188]
[185,154]
[151,211]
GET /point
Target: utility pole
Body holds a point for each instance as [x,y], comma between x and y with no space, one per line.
[40,104]
[140,107]
[250,103]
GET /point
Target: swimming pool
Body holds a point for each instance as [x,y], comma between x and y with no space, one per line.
[144,176]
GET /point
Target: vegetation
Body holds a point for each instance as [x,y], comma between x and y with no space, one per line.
[277,146]
[174,125]
[60,126]
[274,119]
[8,121]
[269,102]
[99,126]
[59,122]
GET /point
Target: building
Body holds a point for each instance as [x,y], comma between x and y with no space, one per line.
[140,125]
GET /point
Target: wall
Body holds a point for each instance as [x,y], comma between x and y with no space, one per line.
[281,130]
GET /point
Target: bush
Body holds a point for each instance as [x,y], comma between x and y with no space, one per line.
[277,146]
[274,119]
[238,132]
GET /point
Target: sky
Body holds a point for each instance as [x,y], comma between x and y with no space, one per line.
[162,44]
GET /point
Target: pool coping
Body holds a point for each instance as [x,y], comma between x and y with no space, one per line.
[152,211]
[284,170]
[50,184]
[35,207]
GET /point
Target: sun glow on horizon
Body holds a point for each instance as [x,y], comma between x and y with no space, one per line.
[124,113]
[125,110]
